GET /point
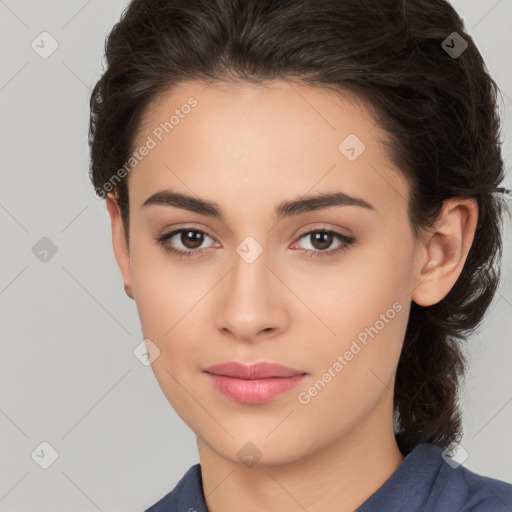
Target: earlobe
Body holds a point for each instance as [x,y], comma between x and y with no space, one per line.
[445,252]
[121,252]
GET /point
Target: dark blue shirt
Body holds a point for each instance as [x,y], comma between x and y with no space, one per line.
[423,481]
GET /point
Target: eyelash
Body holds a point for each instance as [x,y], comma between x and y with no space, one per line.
[346,242]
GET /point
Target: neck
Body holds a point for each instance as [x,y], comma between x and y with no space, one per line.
[341,475]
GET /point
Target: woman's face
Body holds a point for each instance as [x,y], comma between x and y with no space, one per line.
[254,289]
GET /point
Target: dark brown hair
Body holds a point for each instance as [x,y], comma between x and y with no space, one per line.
[439,109]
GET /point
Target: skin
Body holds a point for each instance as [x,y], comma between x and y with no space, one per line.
[248,148]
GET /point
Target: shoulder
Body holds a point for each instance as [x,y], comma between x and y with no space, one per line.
[486,493]
[187,491]
[459,488]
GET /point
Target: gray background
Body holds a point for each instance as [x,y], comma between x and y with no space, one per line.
[68,375]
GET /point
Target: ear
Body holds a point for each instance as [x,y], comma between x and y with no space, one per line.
[444,250]
[119,243]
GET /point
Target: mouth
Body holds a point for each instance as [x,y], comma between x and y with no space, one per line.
[253,384]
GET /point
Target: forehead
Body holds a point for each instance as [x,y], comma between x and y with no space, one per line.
[258,142]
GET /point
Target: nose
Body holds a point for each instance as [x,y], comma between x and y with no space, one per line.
[251,304]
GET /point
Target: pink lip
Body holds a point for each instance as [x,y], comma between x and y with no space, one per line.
[253,384]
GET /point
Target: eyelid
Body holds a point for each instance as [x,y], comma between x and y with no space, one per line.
[345,241]
[170,231]
[325,227]
[175,231]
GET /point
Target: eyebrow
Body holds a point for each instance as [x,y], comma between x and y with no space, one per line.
[285,209]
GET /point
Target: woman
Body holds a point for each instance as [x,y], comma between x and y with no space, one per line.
[305,206]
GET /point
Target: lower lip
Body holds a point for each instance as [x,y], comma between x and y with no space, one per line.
[257,391]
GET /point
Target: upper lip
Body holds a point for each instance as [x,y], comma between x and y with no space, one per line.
[252,371]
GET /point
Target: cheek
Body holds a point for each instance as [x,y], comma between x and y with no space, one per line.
[343,298]
[168,311]
[160,289]
[170,304]
[156,301]
[365,305]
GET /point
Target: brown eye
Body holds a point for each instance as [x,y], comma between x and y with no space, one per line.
[186,242]
[191,239]
[322,239]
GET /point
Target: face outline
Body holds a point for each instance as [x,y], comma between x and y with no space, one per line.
[283,307]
